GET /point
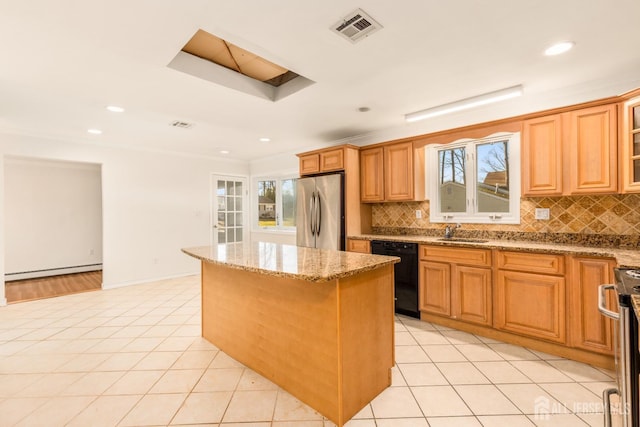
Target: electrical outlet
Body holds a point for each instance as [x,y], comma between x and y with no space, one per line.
[418,214]
[542,213]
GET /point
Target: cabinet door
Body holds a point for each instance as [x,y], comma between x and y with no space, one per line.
[332,160]
[530,304]
[356,245]
[471,294]
[372,175]
[630,161]
[435,290]
[398,172]
[593,150]
[542,156]
[309,164]
[589,329]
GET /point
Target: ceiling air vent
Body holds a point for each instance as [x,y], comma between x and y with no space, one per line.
[181,124]
[356,26]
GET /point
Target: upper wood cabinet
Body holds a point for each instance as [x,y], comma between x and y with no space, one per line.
[593,151]
[328,160]
[372,174]
[630,149]
[570,153]
[398,172]
[542,156]
[588,328]
[391,172]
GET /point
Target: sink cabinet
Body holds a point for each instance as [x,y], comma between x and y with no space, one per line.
[357,245]
[456,282]
[530,295]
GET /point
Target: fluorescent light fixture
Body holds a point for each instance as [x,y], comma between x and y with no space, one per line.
[94,131]
[115,109]
[558,48]
[465,104]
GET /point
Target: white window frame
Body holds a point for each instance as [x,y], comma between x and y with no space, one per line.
[472,216]
[278,228]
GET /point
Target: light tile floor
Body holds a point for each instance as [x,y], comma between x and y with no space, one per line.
[134,357]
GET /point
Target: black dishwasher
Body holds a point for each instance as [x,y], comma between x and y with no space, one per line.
[406,273]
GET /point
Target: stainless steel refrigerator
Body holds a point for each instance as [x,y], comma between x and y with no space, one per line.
[320,212]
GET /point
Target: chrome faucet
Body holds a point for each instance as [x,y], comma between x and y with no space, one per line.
[449,232]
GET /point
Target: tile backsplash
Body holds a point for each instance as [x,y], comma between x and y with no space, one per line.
[582,217]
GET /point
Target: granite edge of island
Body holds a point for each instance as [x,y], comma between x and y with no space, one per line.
[367,262]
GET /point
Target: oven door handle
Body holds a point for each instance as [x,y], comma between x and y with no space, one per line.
[602,298]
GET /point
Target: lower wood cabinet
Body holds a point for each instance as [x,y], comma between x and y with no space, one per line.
[357,245]
[471,294]
[588,328]
[453,289]
[531,304]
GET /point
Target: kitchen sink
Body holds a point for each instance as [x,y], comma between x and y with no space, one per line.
[462,239]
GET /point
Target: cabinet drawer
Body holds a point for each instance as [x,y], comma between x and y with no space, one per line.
[531,262]
[361,246]
[463,256]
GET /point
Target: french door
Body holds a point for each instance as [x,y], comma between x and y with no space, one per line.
[228,209]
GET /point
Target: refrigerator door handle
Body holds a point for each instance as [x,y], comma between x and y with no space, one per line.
[318,214]
[602,290]
[312,207]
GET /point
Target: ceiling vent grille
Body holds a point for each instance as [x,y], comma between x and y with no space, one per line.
[181,124]
[356,26]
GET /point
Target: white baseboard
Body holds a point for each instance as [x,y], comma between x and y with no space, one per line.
[106,286]
[8,277]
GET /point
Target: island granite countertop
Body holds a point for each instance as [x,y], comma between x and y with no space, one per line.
[310,264]
[625,257]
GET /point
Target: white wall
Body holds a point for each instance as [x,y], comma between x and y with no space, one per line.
[53,216]
[153,205]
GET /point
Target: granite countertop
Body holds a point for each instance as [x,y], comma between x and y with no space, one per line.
[310,264]
[624,257]
[635,302]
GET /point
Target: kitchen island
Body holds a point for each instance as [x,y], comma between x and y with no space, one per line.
[318,323]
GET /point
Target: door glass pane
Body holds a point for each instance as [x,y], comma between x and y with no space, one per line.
[452,189]
[636,171]
[228,211]
[492,191]
[636,117]
[636,144]
[267,203]
[289,203]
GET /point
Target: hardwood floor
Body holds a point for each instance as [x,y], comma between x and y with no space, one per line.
[54,286]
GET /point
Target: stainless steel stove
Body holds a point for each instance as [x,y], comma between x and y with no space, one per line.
[626,347]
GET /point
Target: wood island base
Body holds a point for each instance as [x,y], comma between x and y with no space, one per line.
[329,344]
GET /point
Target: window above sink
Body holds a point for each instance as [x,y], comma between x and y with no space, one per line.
[475,180]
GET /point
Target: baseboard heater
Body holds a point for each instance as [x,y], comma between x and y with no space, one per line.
[8,277]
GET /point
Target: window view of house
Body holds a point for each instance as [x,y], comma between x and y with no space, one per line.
[277,203]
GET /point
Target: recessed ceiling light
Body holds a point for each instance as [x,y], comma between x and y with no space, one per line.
[94,131]
[224,151]
[558,48]
[115,109]
[265,139]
